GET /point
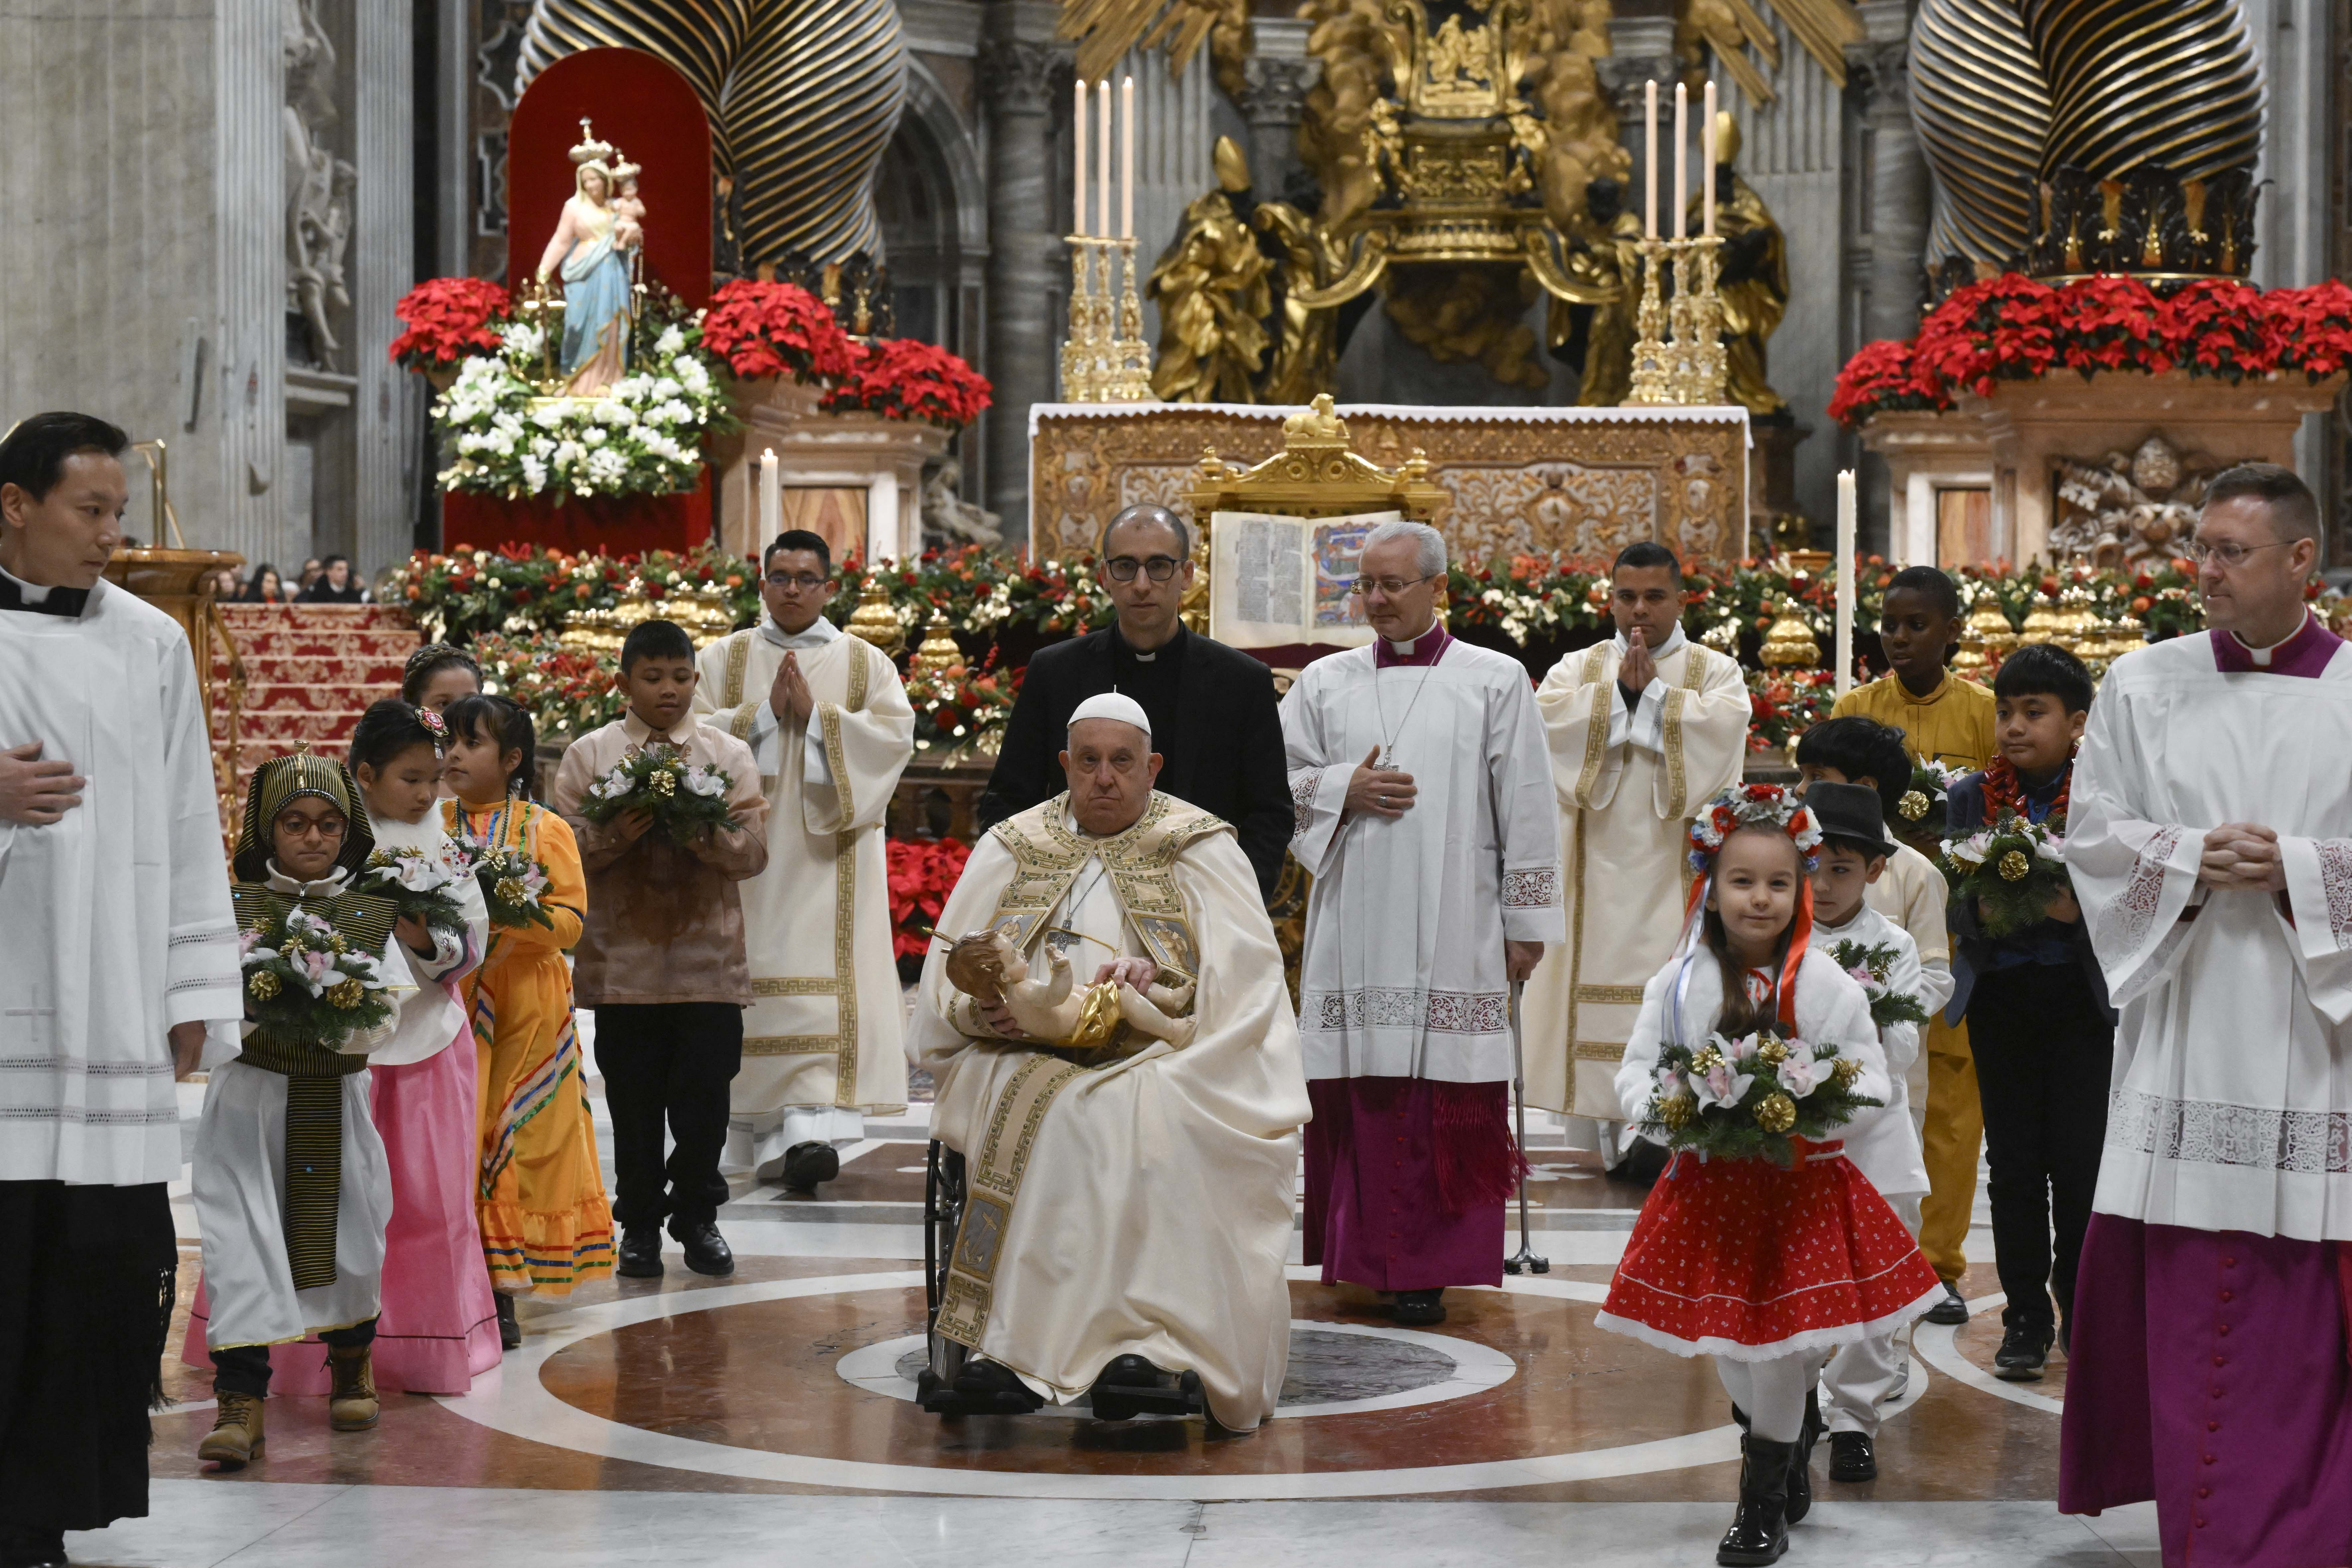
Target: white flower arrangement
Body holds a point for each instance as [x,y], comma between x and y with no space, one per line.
[642,438]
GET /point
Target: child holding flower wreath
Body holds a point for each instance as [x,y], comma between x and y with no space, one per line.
[538,1195]
[1762,1244]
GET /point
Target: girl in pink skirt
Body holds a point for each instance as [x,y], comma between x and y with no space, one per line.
[1768,1269]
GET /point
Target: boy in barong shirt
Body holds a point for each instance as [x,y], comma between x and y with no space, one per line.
[1643,728]
[1425,813]
[828,719]
[117,947]
[2210,841]
[1145,1227]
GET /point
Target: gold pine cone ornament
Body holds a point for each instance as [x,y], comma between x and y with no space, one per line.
[2014,866]
[1777,1113]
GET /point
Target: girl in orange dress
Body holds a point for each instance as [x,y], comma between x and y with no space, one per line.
[545,1223]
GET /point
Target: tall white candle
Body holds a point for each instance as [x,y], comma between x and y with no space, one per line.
[1127,158]
[1682,157]
[771,498]
[1846,572]
[1102,164]
[1078,165]
[1706,160]
[1649,166]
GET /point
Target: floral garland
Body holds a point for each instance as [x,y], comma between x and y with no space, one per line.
[2013,328]
[2004,792]
[1752,805]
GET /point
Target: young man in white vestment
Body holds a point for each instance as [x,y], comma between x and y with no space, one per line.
[117,947]
[1643,728]
[2209,840]
[1140,1233]
[1425,812]
[826,717]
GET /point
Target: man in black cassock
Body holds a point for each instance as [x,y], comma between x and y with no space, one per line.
[1214,720]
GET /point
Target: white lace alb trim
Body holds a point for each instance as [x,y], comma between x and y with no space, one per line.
[2214,1132]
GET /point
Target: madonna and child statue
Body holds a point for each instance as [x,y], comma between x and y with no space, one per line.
[598,249]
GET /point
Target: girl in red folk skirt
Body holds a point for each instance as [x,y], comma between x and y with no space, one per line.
[1762,1244]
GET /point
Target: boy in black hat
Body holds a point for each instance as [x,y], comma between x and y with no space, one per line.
[1882,1143]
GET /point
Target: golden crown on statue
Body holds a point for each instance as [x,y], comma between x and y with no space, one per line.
[590,150]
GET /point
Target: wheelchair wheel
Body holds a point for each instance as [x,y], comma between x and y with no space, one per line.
[943,1192]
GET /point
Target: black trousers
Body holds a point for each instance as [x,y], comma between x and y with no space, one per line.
[244,1369]
[2043,1054]
[668,1060]
[86,1277]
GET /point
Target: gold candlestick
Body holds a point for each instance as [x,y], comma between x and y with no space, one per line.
[1681,324]
[1078,377]
[1709,369]
[1103,329]
[1650,383]
[1131,377]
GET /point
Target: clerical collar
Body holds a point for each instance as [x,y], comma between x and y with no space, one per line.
[1674,640]
[16,594]
[1426,648]
[816,634]
[639,731]
[2306,653]
[326,886]
[1174,645]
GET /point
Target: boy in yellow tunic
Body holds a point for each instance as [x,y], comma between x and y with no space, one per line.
[1945,719]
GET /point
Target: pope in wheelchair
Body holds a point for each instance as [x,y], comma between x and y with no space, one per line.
[1119,1094]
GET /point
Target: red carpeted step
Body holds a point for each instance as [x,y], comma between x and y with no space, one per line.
[310,671]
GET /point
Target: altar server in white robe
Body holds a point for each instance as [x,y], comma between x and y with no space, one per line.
[2209,842]
[826,717]
[1151,1216]
[117,946]
[1643,728]
[1423,801]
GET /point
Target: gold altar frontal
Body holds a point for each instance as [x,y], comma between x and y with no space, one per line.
[1578,481]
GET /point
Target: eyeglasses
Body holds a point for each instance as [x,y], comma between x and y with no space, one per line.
[328,828]
[1391,586]
[2228,551]
[806,582]
[1123,568]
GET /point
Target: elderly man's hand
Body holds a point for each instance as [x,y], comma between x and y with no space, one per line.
[999,1019]
[1379,792]
[1520,958]
[1138,972]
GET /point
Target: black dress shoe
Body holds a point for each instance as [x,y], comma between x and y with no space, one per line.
[509,1330]
[1418,1308]
[706,1250]
[1853,1457]
[640,1255]
[1759,1530]
[2024,1352]
[806,1164]
[1952,1310]
[25,1548]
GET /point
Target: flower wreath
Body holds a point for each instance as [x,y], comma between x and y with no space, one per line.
[1752,805]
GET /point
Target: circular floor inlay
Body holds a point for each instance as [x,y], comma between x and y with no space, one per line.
[1336,1368]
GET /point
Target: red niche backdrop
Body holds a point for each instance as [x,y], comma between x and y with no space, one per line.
[614,525]
[645,109]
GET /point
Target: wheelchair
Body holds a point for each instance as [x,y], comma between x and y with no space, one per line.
[1128,1387]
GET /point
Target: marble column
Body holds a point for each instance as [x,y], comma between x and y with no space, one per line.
[1640,50]
[387,400]
[1279,77]
[249,237]
[1027,271]
[1896,220]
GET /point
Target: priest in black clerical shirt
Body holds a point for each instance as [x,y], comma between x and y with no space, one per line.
[1214,722]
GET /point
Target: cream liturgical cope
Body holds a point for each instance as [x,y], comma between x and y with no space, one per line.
[115,921]
[2231,1108]
[1402,974]
[824,1027]
[1627,781]
[1143,1207]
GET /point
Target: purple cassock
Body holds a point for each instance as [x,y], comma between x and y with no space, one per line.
[2211,1370]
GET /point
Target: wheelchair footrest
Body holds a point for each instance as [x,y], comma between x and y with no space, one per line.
[938,1397]
[1118,1398]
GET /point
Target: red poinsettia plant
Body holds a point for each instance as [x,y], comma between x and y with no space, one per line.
[2012,328]
[923,872]
[449,320]
[775,329]
[906,378]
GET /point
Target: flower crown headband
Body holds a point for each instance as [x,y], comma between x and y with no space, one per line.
[1752,805]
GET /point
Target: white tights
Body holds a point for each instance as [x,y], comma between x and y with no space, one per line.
[1772,1392]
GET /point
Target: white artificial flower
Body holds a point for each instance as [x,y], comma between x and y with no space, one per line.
[671,342]
[548,416]
[704,781]
[665,387]
[1800,1074]
[592,434]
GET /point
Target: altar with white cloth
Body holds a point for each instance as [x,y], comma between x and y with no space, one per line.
[1576,481]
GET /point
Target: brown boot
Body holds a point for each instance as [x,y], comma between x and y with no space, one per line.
[236,1437]
[351,1401]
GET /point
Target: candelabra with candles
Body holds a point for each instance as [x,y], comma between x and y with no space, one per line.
[1105,358]
[1678,355]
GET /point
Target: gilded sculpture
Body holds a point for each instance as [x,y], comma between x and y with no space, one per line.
[1754,280]
[1212,286]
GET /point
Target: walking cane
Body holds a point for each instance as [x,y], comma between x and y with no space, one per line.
[1524,1261]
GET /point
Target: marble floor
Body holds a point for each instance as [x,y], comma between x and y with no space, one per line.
[769,1417]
